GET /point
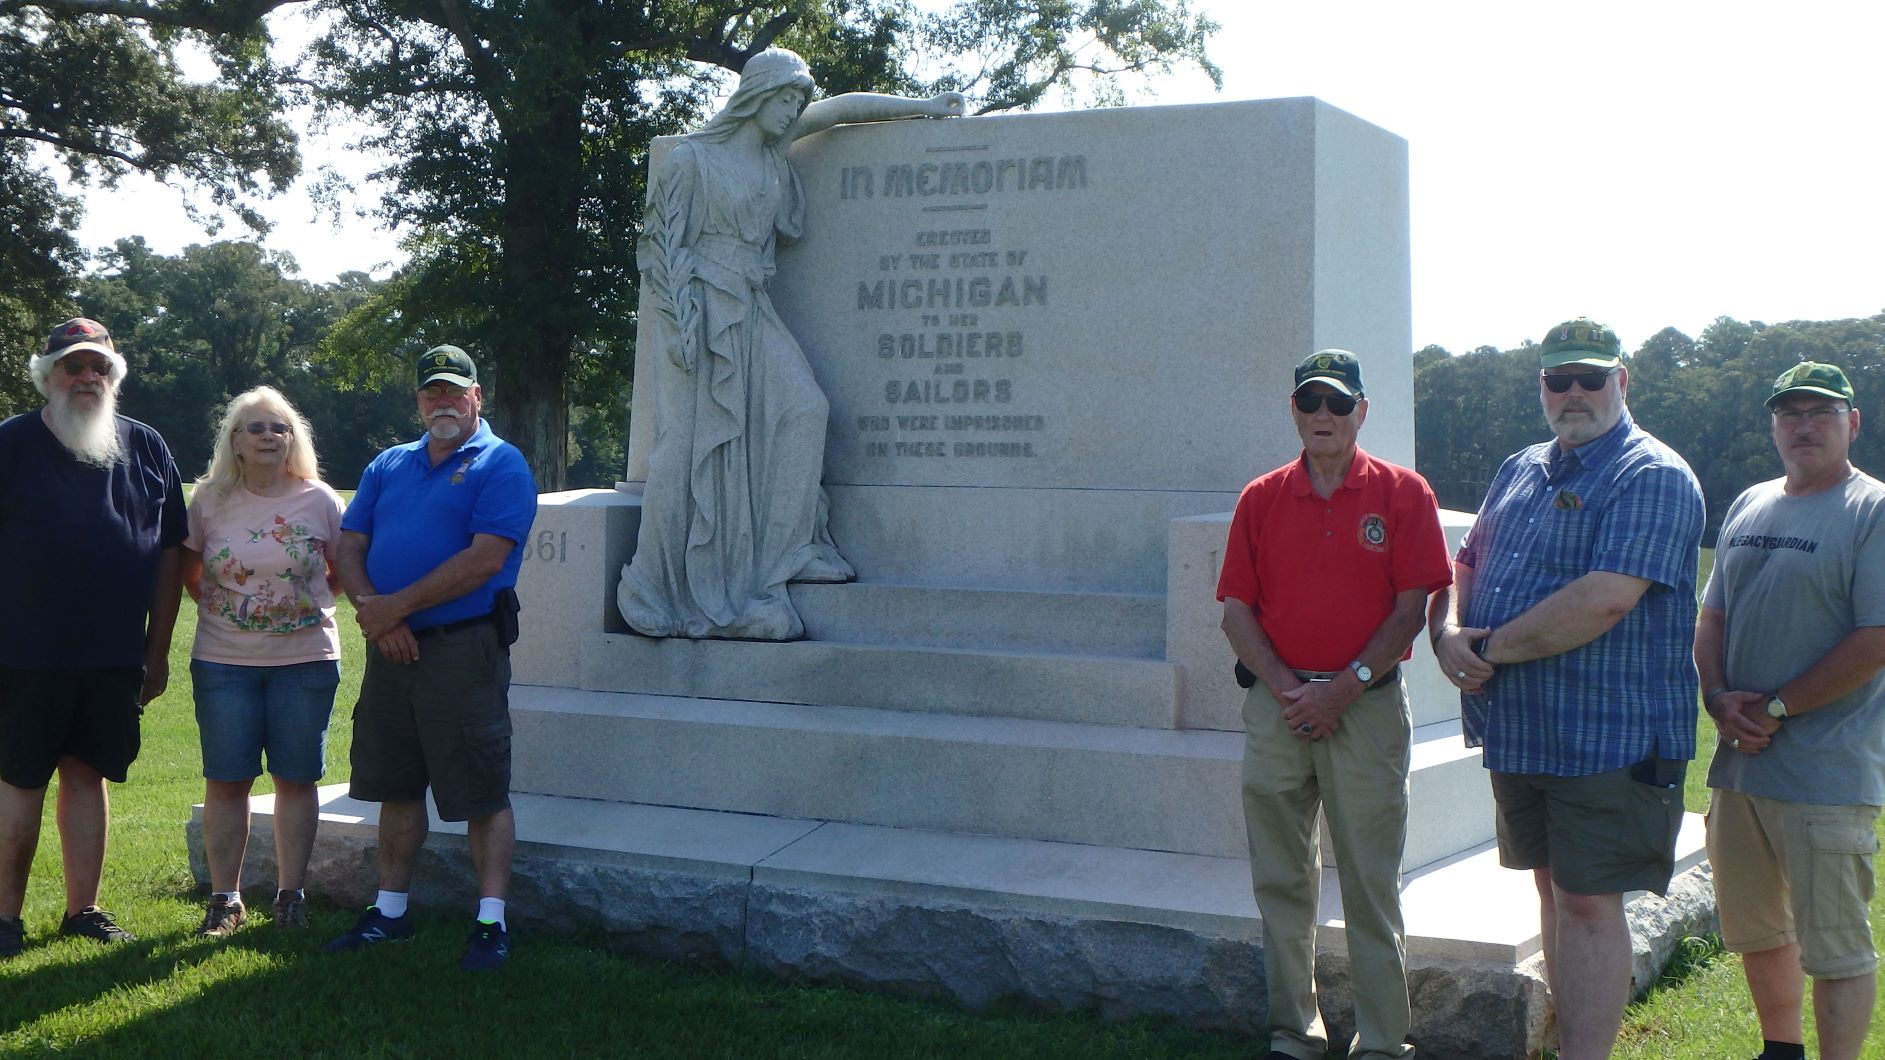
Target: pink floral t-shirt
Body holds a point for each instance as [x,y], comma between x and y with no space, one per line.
[265,598]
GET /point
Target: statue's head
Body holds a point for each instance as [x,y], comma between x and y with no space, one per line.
[765,75]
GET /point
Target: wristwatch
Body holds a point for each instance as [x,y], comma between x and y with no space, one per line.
[1777,709]
[1362,673]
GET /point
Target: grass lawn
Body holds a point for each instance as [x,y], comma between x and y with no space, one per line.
[264,992]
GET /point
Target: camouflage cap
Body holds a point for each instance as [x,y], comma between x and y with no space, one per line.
[1337,368]
[1580,341]
[1812,377]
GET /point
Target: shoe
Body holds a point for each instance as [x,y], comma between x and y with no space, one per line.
[372,928]
[222,918]
[487,949]
[291,909]
[12,936]
[94,923]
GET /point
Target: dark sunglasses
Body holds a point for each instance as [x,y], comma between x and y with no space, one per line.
[272,428]
[1339,404]
[1591,381]
[75,366]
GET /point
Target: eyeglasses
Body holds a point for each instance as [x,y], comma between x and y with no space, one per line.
[1591,381]
[76,366]
[1339,404]
[438,391]
[258,427]
[1817,416]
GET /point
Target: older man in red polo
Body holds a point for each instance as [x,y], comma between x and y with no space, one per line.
[1326,575]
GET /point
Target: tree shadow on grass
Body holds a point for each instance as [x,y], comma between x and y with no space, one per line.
[265,992]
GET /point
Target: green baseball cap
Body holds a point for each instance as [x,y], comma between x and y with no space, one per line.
[1811,377]
[1337,368]
[1580,340]
[447,364]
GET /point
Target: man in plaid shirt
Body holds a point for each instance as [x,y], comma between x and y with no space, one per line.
[1568,632]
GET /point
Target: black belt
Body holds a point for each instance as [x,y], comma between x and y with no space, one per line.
[1320,675]
[453,627]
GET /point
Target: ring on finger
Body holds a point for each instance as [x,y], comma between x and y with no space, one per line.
[1307,728]
[1461,674]
[1735,743]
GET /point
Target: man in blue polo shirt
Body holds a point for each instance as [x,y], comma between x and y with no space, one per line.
[428,553]
[1568,632]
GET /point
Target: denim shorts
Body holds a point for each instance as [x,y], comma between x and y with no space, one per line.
[242,711]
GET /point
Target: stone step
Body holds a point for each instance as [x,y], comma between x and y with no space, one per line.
[1017,684]
[1174,790]
[1131,625]
[980,918]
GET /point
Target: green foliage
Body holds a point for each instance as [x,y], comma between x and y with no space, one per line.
[1704,397]
[203,326]
[519,133]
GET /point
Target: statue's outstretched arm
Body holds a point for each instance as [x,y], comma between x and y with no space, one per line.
[855,107]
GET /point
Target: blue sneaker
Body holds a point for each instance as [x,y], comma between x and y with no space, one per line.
[488,948]
[372,928]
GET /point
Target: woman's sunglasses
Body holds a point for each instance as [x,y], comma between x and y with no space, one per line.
[1591,381]
[1339,404]
[272,428]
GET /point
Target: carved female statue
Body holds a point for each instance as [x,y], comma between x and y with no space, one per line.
[734,508]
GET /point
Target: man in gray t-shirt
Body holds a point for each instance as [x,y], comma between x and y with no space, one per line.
[1791,651]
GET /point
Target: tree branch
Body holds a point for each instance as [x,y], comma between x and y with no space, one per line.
[7,133]
[205,16]
[488,75]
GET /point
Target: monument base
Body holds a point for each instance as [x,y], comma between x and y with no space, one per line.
[981,919]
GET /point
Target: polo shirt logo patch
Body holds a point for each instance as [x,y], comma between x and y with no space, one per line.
[458,477]
[1374,533]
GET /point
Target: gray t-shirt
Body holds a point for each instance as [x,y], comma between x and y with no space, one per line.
[1794,576]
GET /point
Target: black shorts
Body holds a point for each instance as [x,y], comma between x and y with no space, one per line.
[89,714]
[443,722]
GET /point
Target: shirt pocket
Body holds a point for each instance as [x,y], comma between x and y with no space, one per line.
[1564,544]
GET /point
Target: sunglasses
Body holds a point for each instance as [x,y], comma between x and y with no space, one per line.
[76,366]
[1339,404]
[259,427]
[1591,381]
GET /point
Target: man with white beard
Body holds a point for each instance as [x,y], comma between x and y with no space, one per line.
[428,552]
[92,517]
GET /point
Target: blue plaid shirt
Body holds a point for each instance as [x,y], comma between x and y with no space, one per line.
[1624,503]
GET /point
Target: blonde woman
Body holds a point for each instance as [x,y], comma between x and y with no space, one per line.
[267,655]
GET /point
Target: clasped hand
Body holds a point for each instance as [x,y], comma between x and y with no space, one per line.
[1743,721]
[1313,710]
[1459,662]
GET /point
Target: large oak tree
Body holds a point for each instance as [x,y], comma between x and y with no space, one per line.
[96,87]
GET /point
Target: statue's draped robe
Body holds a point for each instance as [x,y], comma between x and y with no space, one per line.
[734,508]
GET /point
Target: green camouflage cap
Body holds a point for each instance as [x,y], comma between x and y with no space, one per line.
[1811,377]
[1580,341]
[447,364]
[1337,368]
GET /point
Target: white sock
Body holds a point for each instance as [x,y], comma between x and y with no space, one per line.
[391,903]
[232,897]
[491,911]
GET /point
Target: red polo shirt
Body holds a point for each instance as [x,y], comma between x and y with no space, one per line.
[1322,575]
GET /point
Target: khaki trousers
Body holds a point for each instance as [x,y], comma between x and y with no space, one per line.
[1358,777]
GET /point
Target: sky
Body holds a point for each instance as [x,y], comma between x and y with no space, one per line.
[1650,164]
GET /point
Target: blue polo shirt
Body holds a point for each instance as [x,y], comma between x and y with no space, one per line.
[1624,503]
[79,546]
[419,515]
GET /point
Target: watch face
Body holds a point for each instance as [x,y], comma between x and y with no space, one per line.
[1776,709]
[1363,672]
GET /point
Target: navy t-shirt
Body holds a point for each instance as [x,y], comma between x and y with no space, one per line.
[79,545]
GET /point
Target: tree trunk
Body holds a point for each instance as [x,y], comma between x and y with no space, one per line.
[538,316]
